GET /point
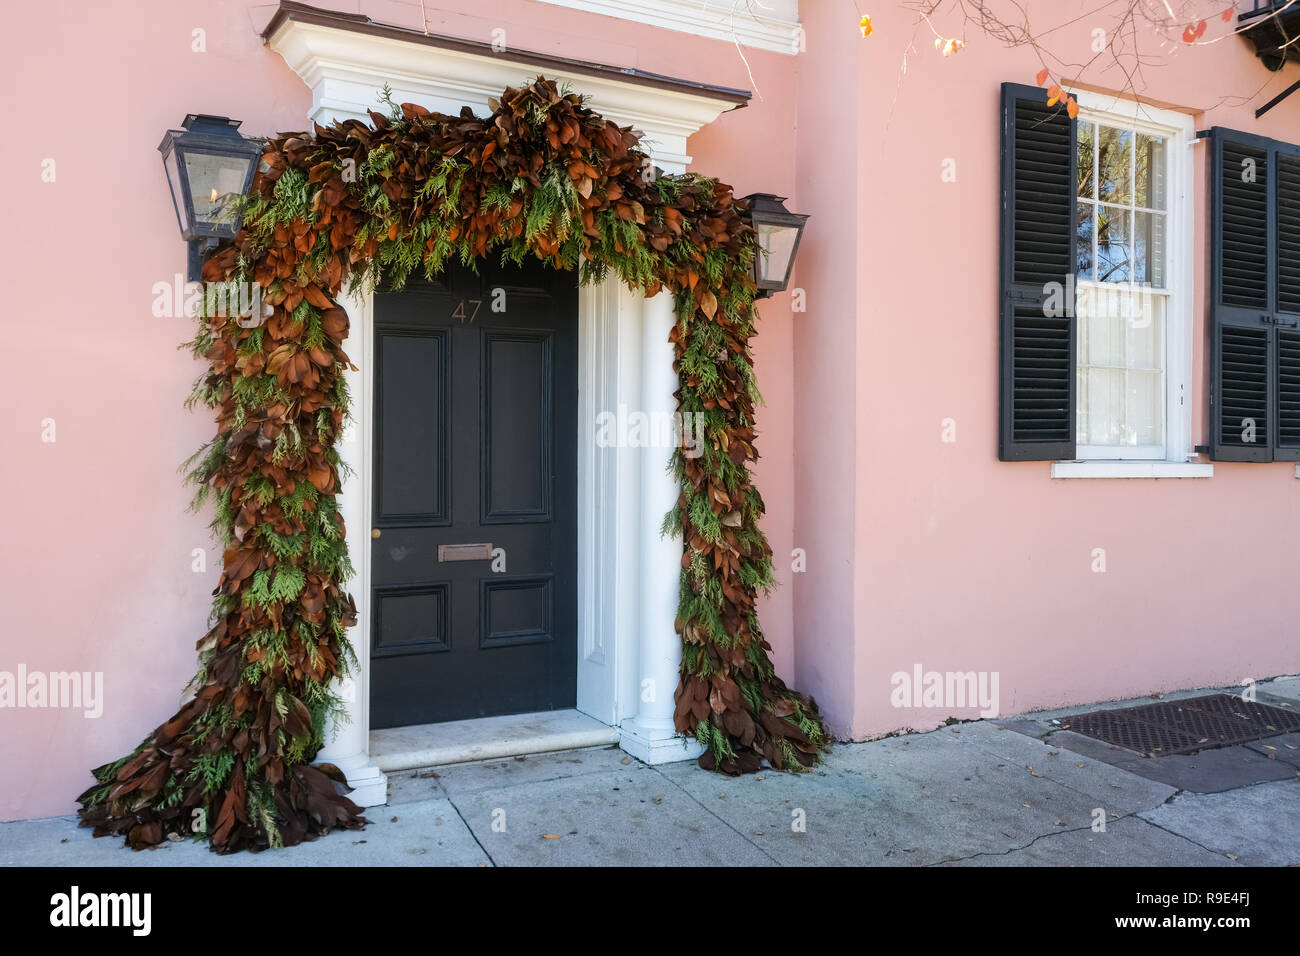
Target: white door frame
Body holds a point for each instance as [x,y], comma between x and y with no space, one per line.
[628,574]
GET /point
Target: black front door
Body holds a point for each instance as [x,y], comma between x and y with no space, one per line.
[474,560]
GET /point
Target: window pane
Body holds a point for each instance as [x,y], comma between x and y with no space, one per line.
[1083,244]
[1081,326]
[1149,248]
[1104,313]
[1112,244]
[1145,345]
[1105,400]
[1114,155]
[777,243]
[1081,403]
[1086,151]
[1145,409]
[215,180]
[1151,169]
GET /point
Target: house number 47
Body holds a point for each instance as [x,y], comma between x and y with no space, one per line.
[467,309]
[463,314]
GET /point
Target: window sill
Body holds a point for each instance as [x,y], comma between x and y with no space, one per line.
[1134,469]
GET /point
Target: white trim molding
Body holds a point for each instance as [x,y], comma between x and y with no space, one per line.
[346,63]
[1132,469]
[765,25]
[347,742]
[1171,460]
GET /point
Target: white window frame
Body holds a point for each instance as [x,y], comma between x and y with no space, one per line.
[1179,131]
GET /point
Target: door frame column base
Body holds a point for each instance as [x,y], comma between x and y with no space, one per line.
[657,745]
[369,784]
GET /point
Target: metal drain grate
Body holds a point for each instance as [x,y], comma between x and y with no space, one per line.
[1184,726]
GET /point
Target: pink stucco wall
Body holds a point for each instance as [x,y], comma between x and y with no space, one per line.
[826,374]
[97,542]
[961,562]
[917,551]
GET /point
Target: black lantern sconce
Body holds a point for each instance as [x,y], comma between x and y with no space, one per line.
[209,167]
[779,232]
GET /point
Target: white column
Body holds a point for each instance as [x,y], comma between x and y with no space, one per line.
[347,743]
[650,735]
[347,746]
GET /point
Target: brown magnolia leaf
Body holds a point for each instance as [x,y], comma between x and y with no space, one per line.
[709,303]
[316,296]
[280,357]
[321,477]
[783,708]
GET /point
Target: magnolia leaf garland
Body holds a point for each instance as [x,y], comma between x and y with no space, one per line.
[542,176]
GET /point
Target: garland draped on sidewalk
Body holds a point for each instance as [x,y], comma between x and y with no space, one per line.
[542,176]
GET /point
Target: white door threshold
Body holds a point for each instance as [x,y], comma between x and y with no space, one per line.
[483,738]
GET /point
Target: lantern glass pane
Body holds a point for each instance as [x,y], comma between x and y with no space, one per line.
[777,247]
[215,180]
[178,190]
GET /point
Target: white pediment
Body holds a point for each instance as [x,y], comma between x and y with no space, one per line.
[346,62]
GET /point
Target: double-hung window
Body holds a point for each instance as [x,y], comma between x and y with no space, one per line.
[1123,290]
[1096,281]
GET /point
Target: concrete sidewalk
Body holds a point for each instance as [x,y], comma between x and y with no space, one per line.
[1016,792]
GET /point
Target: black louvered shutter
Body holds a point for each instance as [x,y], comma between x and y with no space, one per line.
[1037,337]
[1254,298]
[1287,301]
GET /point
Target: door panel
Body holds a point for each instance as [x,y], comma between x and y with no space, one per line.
[412,406]
[474,572]
[518,382]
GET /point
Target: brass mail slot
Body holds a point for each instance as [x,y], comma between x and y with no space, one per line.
[464,552]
